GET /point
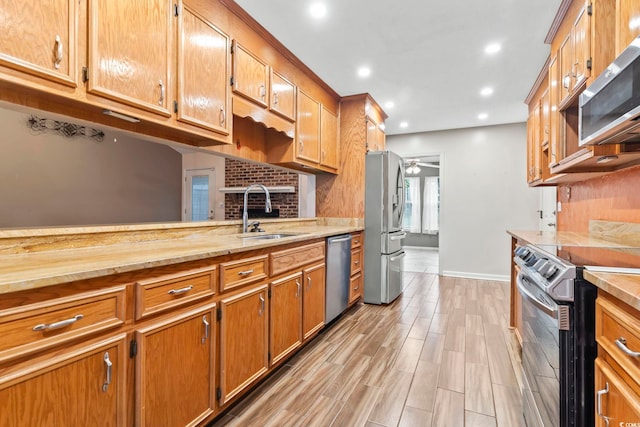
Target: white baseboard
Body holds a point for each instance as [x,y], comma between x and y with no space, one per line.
[467,275]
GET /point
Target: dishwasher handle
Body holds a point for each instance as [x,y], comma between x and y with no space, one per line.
[343,239]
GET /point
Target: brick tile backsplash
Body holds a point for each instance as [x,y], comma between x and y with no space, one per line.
[241,174]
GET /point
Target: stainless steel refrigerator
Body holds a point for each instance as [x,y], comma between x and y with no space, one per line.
[384,209]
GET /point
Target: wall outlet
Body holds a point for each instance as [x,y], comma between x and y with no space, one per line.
[559,209]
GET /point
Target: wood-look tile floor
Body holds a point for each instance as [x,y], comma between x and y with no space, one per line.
[440,355]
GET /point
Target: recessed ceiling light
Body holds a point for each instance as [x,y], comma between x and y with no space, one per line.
[492,48]
[318,10]
[404,124]
[364,71]
[483,116]
[486,91]
[389,104]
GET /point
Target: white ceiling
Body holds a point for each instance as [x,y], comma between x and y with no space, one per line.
[426,56]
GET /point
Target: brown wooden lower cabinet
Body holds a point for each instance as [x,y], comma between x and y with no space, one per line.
[79,386]
[244,340]
[313,304]
[285,332]
[175,381]
[616,402]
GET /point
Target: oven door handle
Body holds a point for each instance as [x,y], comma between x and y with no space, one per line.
[550,310]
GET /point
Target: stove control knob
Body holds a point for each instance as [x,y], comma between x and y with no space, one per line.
[520,250]
[530,260]
[550,271]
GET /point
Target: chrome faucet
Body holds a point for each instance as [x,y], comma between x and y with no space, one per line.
[267,207]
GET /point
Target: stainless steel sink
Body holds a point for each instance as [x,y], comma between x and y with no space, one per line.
[270,236]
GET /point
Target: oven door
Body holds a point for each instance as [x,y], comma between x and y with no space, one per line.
[543,348]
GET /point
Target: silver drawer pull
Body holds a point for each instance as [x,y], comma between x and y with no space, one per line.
[298,291]
[245,273]
[622,345]
[109,364]
[599,395]
[180,291]
[57,325]
[308,282]
[58,50]
[261,311]
[206,329]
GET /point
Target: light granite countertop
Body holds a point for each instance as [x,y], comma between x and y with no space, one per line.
[625,287]
[33,258]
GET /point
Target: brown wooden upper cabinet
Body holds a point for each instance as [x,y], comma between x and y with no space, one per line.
[40,39]
[282,99]
[131,52]
[329,143]
[250,75]
[204,98]
[575,55]
[308,129]
[375,136]
[627,18]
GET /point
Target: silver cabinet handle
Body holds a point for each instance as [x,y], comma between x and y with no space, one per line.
[599,395]
[622,345]
[356,262]
[263,91]
[301,146]
[206,329]
[308,282]
[298,291]
[161,100]
[245,273]
[57,325]
[58,50]
[180,291]
[223,116]
[109,364]
[566,81]
[261,305]
[275,98]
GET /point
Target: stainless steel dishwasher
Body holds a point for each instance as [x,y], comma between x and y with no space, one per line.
[338,271]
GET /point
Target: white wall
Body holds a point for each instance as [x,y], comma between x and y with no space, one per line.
[483,193]
[49,180]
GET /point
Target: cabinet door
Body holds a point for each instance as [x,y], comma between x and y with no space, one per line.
[380,138]
[544,118]
[249,75]
[285,316]
[81,386]
[39,38]
[244,340]
[355,288]
[615,399]
[174,366]
[554,114]
[203,74]
[566,65]
[627,16]
[131,52]
[372,140]
[314,300]
[283,96]
[581,48]
[308,128]
[329,143]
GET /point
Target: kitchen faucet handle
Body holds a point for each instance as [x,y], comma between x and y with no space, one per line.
[255,226]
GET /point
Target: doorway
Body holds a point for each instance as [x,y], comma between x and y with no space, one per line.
[199,192]
[421,219]
[548,206]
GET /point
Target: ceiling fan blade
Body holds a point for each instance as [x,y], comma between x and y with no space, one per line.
[429,165]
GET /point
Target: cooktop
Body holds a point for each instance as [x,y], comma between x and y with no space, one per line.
[613,259]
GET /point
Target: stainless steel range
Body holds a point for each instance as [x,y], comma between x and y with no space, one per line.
[558,342]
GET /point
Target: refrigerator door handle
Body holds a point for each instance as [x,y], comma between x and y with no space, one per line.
[399,236]
[397,257]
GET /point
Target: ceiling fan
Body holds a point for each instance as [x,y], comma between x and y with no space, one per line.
[412,165]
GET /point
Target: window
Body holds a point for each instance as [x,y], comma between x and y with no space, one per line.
[422,205]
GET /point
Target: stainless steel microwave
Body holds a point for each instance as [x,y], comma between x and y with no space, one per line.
[609,110]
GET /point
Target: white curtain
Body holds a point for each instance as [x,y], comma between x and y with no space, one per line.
[430,214]
[411,220]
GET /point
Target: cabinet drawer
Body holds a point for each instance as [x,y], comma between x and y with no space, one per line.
[355,288]
[234,274]
[356,261]
[618,333]
[31,328]
[356,240]
[290,259]
[173,290]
